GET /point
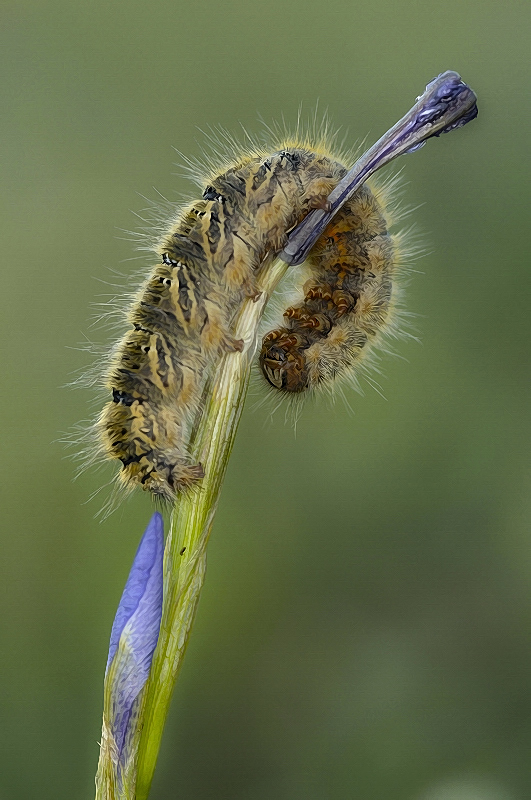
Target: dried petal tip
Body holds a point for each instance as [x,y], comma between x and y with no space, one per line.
[447,103]
[135,632]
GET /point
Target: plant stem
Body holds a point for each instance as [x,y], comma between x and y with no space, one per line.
[192,520]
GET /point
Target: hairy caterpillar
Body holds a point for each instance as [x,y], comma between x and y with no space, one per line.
[259,203]
[181,318]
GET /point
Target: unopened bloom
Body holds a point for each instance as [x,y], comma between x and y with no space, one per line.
[134,637]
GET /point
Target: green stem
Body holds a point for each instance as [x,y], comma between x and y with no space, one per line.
[192,520]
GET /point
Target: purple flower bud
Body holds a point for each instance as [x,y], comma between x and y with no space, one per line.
[135,631]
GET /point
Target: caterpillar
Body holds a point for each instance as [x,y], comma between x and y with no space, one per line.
[180,320]
[296,200]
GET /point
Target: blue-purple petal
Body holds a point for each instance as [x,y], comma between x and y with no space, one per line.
[141,601]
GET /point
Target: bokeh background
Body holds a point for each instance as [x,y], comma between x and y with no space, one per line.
[364,631]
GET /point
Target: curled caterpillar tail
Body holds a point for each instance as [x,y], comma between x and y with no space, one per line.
[345,305]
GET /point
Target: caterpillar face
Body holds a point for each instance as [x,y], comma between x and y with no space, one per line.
[283,362]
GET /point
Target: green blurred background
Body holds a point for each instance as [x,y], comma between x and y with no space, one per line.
[364,631]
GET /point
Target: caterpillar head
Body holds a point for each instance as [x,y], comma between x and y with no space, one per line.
[283,363]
